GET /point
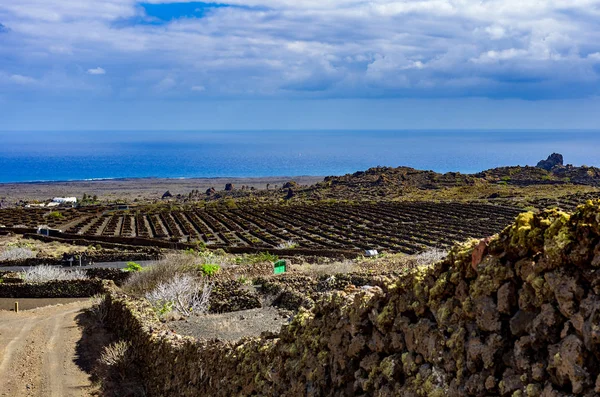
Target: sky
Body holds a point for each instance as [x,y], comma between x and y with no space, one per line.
[299,64]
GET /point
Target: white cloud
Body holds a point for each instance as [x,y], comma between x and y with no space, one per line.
[336,47]
[502,55]
[96,71]
[595,56]
[22,80]
[496,32]
[165,84]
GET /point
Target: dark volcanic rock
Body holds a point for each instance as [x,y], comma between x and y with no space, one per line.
[211,191]
[553,160]
[290,194]
[229,187]
[167,195]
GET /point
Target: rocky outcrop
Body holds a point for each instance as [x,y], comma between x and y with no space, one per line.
[167,195]
[229,187]
[517,315]
[555,159]
[290,194]
[210,191]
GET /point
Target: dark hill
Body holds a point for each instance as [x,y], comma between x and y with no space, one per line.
[390,182]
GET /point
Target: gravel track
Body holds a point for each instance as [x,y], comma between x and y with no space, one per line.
[38,354]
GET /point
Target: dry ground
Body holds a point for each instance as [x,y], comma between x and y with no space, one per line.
[231,326]
[129,189]
[42,249]
[38,353]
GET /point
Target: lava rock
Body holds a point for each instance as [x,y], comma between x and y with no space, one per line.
[553,160]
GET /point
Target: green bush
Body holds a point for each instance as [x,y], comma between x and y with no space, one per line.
[251,259]
[163,308]
[55,215]
[209,270]
[133,267]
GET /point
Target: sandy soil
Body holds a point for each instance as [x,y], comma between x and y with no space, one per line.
[144,188]
[231,326]
[38,353]
[34,303]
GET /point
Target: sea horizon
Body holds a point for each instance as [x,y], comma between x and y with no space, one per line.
[70,156]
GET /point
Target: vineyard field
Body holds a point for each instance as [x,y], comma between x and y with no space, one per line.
[407,227]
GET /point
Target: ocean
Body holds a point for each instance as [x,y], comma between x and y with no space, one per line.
[62,156]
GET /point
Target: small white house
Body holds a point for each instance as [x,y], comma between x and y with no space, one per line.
[65,200]
[46,231]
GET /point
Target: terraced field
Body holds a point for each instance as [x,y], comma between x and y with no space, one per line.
[398,227]
[565,203]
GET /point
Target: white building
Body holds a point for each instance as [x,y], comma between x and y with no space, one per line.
[65,200]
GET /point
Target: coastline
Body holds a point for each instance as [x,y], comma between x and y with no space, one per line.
[131,188]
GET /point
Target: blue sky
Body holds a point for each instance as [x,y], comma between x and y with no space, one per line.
[124,64]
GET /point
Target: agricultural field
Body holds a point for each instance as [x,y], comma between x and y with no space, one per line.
[407,227]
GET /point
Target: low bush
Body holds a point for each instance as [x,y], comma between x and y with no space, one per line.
[183,294]
[430,256]
[44,273]
[16,253]
[159,272]
[99,308]
[133,267]
[255,258]
[287,245]
[209,270]
[55,215]
[116,360]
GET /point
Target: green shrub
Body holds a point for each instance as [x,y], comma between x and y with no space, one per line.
[133,267]
[163,308]
[209,270]
[55,215]
[255,258]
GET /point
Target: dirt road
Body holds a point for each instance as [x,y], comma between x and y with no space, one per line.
[38,353]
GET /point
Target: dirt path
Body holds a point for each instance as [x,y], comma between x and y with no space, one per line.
[38,353]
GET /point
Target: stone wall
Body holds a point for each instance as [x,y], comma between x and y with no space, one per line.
[515,315]
[96,257]
[52,289]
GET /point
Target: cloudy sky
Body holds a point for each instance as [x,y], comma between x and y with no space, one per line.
[124,64]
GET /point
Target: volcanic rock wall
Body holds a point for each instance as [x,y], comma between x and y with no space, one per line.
[52,289]
[517,315]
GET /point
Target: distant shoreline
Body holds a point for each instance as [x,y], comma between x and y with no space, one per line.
[156,178]
[148,188]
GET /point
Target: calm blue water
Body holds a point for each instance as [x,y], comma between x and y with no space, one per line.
[51,156]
